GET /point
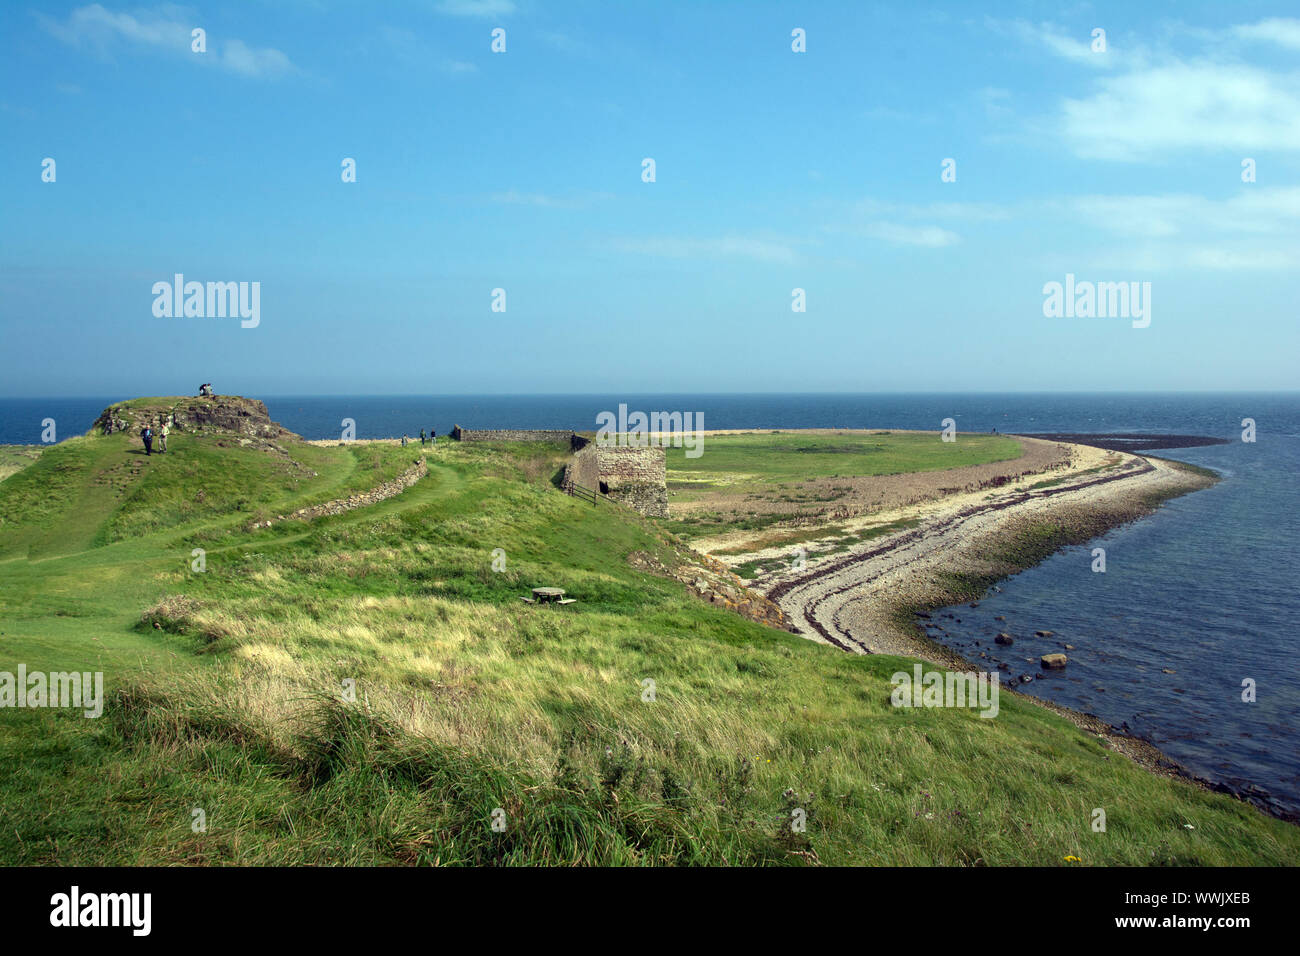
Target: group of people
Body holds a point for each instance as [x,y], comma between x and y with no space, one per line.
[147,434]
[432,438]
[205,390]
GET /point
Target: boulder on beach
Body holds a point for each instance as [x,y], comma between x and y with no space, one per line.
[1053,662]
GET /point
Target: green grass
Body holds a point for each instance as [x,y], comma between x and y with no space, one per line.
[753,460]
[14,458]
[224,695]
[757,481]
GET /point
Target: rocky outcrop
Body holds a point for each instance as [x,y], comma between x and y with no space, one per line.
[711,580]
[217,414]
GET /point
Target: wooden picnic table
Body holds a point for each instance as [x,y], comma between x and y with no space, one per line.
[546,595]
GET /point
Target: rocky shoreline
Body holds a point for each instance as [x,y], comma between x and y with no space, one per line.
[874,598]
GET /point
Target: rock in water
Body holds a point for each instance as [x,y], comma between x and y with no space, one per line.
[1053,662]
[1005,639]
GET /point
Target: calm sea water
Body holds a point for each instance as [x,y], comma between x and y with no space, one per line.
[1206,589]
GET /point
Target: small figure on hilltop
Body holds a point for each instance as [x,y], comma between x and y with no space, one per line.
[421,436]
[163,431]
[433,437]
[146,433]
[403,441]
[205,390]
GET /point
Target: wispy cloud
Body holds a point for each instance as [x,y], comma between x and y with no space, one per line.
[916,224]
[1258,229]
[414,52]
[476,8]
[1160,101]
[1056,41]
[1151,112]
[968,211]
[514,198]
[903,234]
[726,247]
[166,29]
[1278,30]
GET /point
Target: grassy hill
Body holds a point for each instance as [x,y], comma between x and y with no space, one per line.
[227,690]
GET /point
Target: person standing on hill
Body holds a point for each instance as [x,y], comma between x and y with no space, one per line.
[163,432]
[146,433]
[433,437]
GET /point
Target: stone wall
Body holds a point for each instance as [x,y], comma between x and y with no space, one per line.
[583,469]
[511,434]
[636,477]
[361,499]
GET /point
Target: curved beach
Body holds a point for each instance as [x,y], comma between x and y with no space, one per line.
[854,601]
[868,600]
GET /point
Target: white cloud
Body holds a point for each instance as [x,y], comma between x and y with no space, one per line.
[165,28]
[1154,111]
[1166,101]
[1283,32]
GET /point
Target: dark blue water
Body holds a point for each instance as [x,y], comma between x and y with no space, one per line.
[1206,588]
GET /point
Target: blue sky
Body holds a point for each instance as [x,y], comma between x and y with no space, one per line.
[522,170]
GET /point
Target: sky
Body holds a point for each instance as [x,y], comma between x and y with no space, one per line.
[921,172]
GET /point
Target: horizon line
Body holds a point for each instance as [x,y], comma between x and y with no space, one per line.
[634,393]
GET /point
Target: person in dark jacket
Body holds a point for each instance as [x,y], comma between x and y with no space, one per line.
[422,436]
[147,434]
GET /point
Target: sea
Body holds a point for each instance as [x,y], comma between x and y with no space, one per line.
[1187,639]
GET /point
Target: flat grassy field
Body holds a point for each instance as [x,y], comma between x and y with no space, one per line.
[369,689]
[784,457]
[764,479]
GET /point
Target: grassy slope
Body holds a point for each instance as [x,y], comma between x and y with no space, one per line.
[14,458]
[470,700]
